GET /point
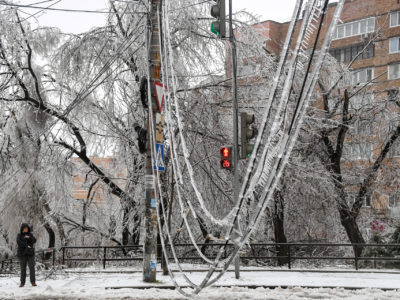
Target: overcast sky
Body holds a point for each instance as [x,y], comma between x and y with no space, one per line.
[278,10]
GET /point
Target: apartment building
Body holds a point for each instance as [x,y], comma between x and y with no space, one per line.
[373,28]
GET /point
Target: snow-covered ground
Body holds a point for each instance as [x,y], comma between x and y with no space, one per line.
[94,285]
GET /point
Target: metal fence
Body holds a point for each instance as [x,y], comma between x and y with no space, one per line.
[285,253]
[262,252]
[10,265]
[100,254]
[308,252]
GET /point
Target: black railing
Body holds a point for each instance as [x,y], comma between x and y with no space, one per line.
[9,265]
[287,253]
[103,258]
[261,252]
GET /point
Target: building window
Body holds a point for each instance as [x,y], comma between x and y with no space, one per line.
[394,45]
[362,127]
[355,28]
[395,149]
[362,76]
[347,54]
[246,70]
[366,202]
[357,102]
[360,101]
[394,71]
[356,151]
[394,200]
[395,19]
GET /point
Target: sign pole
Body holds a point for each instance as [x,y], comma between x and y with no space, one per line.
[235,130]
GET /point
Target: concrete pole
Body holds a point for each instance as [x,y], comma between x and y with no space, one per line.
[150,244]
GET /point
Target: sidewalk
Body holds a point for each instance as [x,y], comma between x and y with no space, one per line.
[251,285]
[266,279]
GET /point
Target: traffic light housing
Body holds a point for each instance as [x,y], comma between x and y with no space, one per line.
[218,27]
[226,158]
[142,137]
[247,132]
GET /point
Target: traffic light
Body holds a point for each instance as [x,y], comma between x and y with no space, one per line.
[218,11]
[247,133]
[143,92]
[226,158]
[142,133]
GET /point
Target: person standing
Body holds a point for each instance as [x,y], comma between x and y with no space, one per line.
[26,253]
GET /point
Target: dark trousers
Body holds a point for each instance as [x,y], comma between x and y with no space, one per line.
[30,261]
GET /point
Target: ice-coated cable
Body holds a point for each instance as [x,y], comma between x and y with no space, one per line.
[276,81]
[292,135]
[219,222]
[211,270]
[156,180]
[251,229]
[267,196]
[174,86]
[236,208]
[217,260]
[279,76]
[159,196]
[218,256]
[275,135]
[173,148]
[176,162]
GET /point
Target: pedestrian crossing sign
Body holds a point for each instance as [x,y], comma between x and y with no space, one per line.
[159,160]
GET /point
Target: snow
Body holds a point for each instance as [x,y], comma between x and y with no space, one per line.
[294,285]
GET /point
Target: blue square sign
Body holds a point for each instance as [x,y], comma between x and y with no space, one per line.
[159,159]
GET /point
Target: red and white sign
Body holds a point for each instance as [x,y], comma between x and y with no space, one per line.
[160,93]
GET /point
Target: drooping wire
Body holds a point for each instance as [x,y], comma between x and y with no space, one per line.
[278,167]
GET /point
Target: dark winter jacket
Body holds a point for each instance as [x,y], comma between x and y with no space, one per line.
[23,242]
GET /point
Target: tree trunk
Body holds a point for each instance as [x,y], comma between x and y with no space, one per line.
[84,212]
[52,238]
[136,230]
[279,230]
[349,223]
[125,226]
[128,237]
[58,223]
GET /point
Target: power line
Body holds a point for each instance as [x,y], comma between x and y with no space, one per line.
[190,5]
[57,9]
[40,11]
[41,2]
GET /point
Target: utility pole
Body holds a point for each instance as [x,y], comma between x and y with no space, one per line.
[235,129]
[150,244]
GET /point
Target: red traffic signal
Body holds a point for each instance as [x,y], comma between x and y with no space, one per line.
[225,152]
[226,157]
[225,164]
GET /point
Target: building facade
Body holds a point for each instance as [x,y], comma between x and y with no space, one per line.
[88,187]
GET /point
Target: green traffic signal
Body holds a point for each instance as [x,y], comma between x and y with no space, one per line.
[252,149]
[218,27]
[213,30]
